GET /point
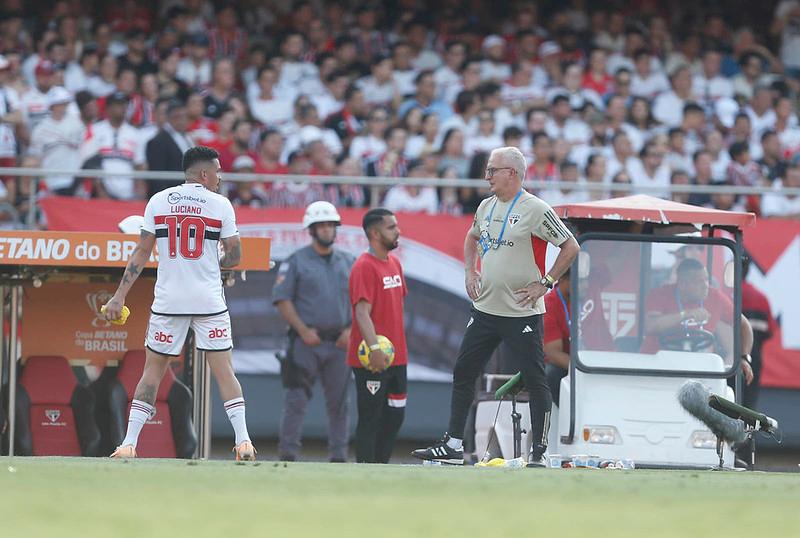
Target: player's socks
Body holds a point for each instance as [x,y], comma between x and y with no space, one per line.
[140,413]
[235,410]
[454,443]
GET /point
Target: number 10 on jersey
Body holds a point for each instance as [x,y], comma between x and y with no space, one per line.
[185,235]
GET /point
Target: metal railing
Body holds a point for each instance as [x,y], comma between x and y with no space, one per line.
[375,184]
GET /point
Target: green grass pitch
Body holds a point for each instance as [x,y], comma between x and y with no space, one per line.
[88,498]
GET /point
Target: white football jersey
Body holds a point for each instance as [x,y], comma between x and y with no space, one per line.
[188,222]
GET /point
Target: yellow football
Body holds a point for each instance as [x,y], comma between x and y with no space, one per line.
[386,346]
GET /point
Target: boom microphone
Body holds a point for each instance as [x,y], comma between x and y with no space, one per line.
[754,419]
[693,397]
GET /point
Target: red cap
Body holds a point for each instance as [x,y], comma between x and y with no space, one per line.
[45,67]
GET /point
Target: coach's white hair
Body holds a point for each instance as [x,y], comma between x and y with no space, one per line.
[514,158]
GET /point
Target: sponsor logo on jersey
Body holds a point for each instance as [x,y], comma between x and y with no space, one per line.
[162,337]
[390,282]
[176,197]
[173,198]
[218,333]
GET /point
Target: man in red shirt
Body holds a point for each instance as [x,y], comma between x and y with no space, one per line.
[683,312]
[377,289]
[755,307]
[557,320]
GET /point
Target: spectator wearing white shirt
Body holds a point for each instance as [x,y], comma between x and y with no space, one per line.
[720,158]
[404,72]
[56,141]
[561,124]
[77,74]
[709,85]
[641,125]
[417,33]
[519,93]
[751,75]
[678,158]
[114,145]
[470,80]
[448,75]
[668,106]
[680,177]
[650,171]
[372,143]
[294,70]
[266,107]
[494,66]
[403,198]
[380,88]
[104,82]
[778,204]
[787,25]
[646,82]
[572,87]
[34,101]
[10,116]
[489,93]
[486,139]
[195,69]
[619,156]
[559,196]
[762,116]
[427,141]
[786,125]
[331,100]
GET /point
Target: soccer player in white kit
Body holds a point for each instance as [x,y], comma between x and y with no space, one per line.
[187,222]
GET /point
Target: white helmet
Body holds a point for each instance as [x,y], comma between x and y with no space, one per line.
[321,212]
[131,224]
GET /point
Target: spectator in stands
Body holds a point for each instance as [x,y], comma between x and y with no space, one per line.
[641,125]
[709,85]
[786,24]
[620,156]
[448,76]
[227,39]
[622,84]
[169,85]
[56,141]
[669,105]
[411,198]
[34,101]
[295,69]
[646,82]
[116,146]
[742,170]
[372,143]
[242,136]
[348,122]
[222,88]
[678,156]
[136,56]
[246,193]
[620,178]
[773,165]
[104,82]
[680,177]
[452,154]
[650,171]
[380,88]
[392,161]
[165,151]
[701,164]
[494,66]
[596,174]
[425,97]
[571,87]
[404,72]
[427,141]
[778,204]
[270,150]
[77,73]
[562,123]
[596,77]
[723,199]
[195,68]
[486,139]
[266,107]
[568,173]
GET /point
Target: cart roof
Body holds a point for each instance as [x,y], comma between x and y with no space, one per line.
[642,207]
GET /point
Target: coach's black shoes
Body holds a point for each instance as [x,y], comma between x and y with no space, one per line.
[441,452]
[536,457]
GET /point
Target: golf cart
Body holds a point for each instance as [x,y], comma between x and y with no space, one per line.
[619,399]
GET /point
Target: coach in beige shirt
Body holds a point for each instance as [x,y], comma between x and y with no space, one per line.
[510,235]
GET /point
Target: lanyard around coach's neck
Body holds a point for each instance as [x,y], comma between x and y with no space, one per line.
[505,220]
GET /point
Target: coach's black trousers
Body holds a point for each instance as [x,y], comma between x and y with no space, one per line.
[523,336]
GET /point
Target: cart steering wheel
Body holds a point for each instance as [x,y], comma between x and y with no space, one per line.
[695,339]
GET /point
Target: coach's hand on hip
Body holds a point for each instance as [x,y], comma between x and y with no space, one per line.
[473,283]
[378,361]
[344,339]
[528,295]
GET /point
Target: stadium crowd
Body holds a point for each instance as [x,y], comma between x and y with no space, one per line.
[640,91]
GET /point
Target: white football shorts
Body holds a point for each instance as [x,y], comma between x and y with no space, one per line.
[167,334]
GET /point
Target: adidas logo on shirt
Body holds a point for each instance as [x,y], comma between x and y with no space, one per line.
[527,329]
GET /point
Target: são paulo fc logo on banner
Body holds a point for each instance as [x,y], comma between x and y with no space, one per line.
[373,386]
[52,414]
[514,218]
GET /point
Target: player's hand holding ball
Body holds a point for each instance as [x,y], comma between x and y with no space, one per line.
[115,311]
[376,360]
